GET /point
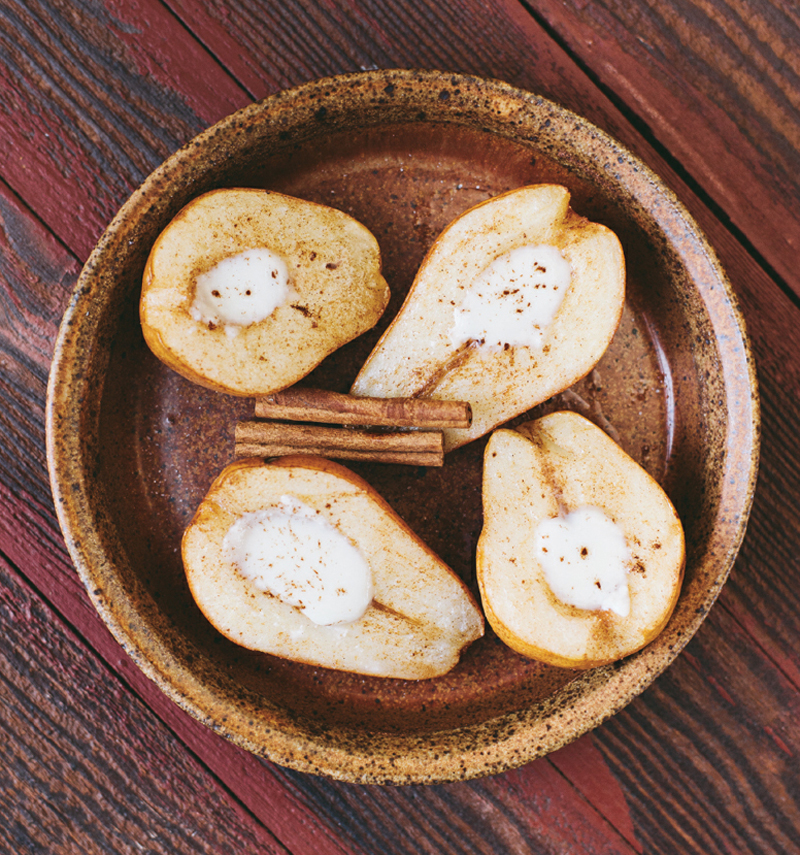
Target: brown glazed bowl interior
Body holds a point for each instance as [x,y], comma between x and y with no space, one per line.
[133,447]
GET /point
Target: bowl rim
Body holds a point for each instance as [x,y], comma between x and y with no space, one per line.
[489,747]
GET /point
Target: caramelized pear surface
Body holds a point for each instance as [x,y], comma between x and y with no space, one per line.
[334,273]
[417,356]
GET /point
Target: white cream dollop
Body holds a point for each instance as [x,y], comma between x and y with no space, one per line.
[298,556]
[585,560]
[242,289]
[514,300]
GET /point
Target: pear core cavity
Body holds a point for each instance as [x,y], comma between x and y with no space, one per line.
[513,301]
[585,560]
[295,554]
[242,289]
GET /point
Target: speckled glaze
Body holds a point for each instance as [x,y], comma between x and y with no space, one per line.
[132,447]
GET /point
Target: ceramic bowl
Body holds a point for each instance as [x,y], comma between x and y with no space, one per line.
[133,447]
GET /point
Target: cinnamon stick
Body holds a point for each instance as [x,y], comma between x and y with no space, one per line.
[271,439]
[406,458]
[320,405]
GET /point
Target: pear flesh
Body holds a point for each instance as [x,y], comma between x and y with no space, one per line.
[551,472]
[419,618]
[246,291]
[476,266]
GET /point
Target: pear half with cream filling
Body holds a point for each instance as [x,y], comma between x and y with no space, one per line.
[246,291]
[516,300]
[580,560]
[301,558]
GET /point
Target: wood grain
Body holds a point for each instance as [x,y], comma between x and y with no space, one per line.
[717,84]
[87,768]
[37,276]
[309,39]
[92,98]
[525,812]
[708,756]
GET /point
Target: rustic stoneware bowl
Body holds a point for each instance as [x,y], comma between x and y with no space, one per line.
[132,447]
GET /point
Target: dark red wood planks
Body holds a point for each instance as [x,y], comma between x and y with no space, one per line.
[92,99]
[716,83]
[86,766]
[707,757]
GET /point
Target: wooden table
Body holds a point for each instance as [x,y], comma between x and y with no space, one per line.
[93,758]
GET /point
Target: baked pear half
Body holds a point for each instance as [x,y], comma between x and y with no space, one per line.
[246,291]
[516,300]
[301,558]
[580,560]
